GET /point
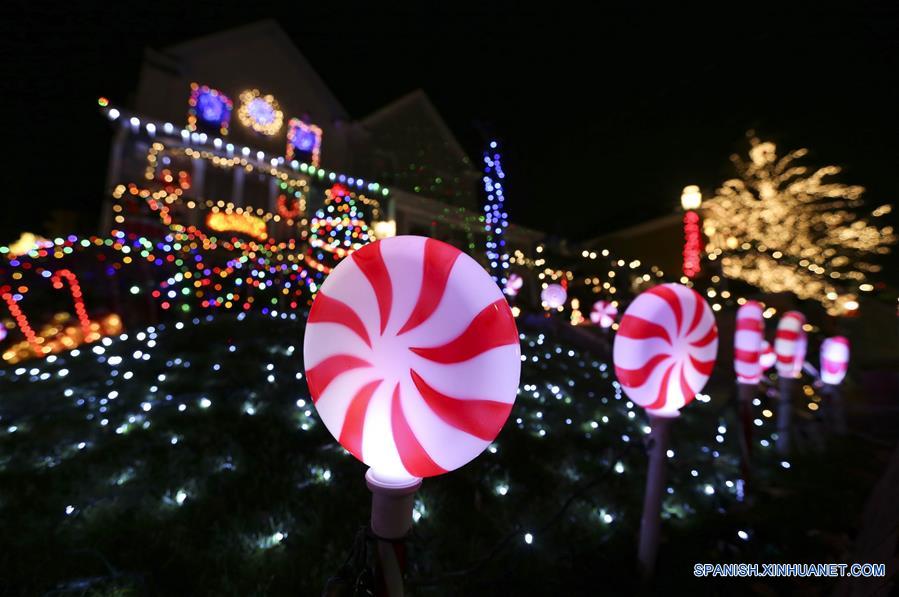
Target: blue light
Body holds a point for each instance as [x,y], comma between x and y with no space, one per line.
[304,140]
[211,108]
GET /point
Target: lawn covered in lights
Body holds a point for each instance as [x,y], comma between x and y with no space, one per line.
[186,459]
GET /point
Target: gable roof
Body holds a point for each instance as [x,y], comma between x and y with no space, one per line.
[417,99]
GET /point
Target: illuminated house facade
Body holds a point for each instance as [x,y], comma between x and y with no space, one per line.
[236,132]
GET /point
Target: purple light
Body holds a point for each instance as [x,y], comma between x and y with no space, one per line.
[304,140]
[261,111]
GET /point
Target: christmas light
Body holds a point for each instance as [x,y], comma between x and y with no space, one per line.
[496,220]
[260,112]
[784,228]
[208,108]
[305,138]
[237,222]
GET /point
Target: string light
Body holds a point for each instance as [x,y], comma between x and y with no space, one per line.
[207,108]
[785,228]
[496,220]
[237,222]
[304,138]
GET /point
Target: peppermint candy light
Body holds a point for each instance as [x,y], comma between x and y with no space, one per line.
[767,356]
[748,343]
[834,359]
[412,357]
[554,296]
[513,285]
[665,348]
[604,314]
[790,344]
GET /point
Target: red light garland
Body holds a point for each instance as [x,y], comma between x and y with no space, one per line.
[77,298]
[692,244]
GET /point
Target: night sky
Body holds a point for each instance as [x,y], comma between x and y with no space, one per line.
[605,115]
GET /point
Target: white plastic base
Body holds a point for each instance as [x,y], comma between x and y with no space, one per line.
[391,505]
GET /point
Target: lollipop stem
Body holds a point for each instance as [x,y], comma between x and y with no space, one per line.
[837,413]
[745,394]
[784,412]
[652,504]
[391,519]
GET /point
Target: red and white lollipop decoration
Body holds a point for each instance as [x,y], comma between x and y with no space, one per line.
[665,348]
[664,353]
[767,356]
[513,285]
[834,360]
[748,343]
[412,357]
[604,313]
[790,344]
[554,296]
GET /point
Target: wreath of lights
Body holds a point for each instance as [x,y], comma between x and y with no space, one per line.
[289,207]
[260,112]
[304,137]
[208,106]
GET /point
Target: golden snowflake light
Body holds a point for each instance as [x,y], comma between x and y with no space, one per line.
[783,227]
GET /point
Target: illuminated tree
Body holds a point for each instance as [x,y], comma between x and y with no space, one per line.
[337,229]
[786,228]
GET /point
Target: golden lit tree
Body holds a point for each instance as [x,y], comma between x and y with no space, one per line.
[783,227]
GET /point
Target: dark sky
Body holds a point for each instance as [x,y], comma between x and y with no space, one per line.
[605,115]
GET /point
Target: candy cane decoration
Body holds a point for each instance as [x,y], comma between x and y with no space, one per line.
[554,296]
[413,362]
[604,313]
[21,321]
[767,357]
[789,344]
[834,359]
[664,353]
[75,289]
[513,285]
[665,348]
[747,349]
[748,343]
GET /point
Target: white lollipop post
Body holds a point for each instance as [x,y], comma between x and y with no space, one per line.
[664,353]
[834,364]
[391,520]
[413,362]
[790,345]
[650,521]
[748,338]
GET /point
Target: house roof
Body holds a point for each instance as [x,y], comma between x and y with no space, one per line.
[417,98]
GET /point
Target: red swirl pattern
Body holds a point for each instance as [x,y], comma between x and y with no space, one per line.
[748,337]
[665,348]
[412,357]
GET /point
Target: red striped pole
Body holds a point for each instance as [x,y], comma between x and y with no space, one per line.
[789,345]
